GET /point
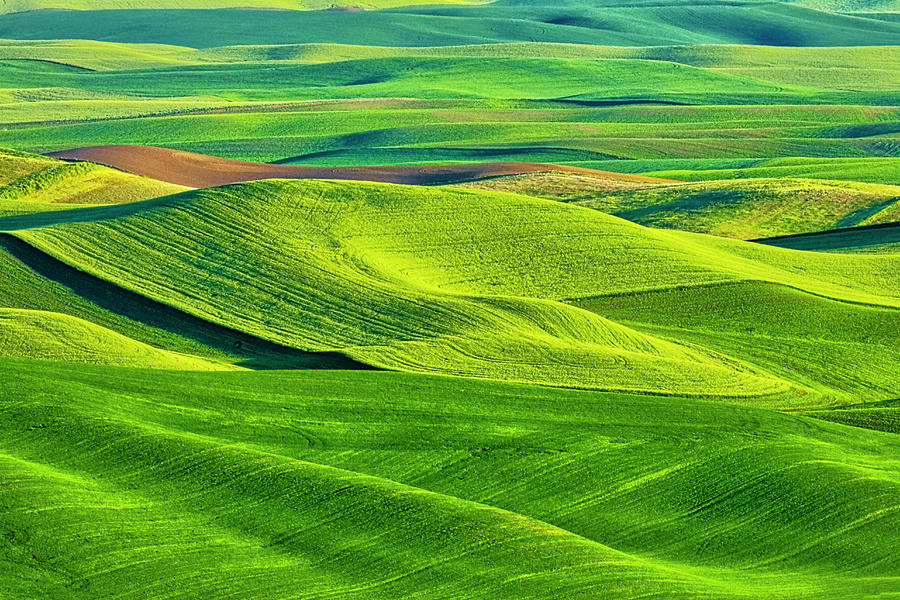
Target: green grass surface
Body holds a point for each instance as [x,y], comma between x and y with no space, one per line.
[32,280]
[858,67]
[880,416]
[556,102]
[374,485]
[840,349]
[419,77]
[539,386]
[455,282]
[411,132]
[11,6]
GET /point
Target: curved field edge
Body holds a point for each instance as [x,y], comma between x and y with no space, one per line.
[33,183]
[323,481]
[880,416]
[200,170]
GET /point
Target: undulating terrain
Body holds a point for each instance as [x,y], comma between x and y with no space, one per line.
[490,300]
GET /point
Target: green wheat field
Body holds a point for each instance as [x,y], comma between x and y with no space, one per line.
[449,299]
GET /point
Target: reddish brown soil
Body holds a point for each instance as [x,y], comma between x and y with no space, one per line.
[199,170]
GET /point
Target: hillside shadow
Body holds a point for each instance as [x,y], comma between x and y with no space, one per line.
[254,352]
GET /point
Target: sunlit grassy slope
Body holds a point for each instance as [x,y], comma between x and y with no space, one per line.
[33,281]
[373,485]
[31,183]
[742,208]
[54,336]
[542,386]
[464,283]
[834,347]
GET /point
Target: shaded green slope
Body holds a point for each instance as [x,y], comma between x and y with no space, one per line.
[858,67]
[875,170]
[880,416]
[398,131]
[258,485]
[883,237]
[416,77]
[11,6]
[464,283]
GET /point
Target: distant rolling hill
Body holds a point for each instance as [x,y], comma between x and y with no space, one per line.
[667,23]
[743,208]
[883,237]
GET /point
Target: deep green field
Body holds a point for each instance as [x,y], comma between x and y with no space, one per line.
[564,383]
[376,485]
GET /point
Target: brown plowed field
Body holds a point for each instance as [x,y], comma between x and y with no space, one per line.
[199,170]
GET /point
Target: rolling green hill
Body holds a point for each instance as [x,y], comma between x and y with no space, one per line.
[450,281]
[374,485]
[367,132]
[11,6]
[574,104]
[875,170]
[859,67]
[33,281]
[832,347]
[880,416]
[422,77]
[582,300]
